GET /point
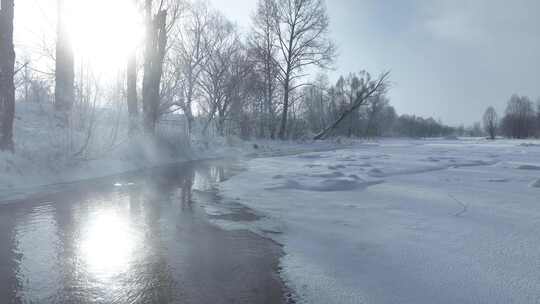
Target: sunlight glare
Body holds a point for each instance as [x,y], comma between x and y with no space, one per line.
[107,245]
[104,33]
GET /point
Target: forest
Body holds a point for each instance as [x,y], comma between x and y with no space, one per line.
[196,73]
[194,69]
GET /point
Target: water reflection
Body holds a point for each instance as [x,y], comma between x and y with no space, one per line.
[107,244]
[36,243]
[141,238]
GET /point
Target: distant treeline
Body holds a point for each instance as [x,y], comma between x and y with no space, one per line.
[320,104]
[521,119]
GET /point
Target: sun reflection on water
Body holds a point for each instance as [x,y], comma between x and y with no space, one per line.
[107,245]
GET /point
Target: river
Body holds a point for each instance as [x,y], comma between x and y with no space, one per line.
[137,238]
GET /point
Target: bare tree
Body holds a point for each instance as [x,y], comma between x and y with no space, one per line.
[7,73]
[519,118]
[345,95]
[263,42]
[302,32]
[491,122]
[317,103]
[375,107]
[369,89]
[191,54]
[65,69]
[158,25]
[223,49]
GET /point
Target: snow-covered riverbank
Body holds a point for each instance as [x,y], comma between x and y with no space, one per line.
[48,154]
[437,221]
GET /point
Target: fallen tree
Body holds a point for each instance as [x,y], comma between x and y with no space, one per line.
[370,88]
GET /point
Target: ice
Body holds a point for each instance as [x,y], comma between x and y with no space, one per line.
[445,221]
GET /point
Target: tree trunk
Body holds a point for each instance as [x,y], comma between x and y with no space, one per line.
[270,115]
[190,119]
[133,108]
[284,116]
[189,100]
[65,72]
[221,122]
[7,71]
[153,68]
[149,55]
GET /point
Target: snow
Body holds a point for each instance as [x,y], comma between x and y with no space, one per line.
[391,221]
[402,221]
[47,155]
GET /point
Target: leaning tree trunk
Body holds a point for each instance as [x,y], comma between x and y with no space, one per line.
[7,71]
[361,99]
[65,68]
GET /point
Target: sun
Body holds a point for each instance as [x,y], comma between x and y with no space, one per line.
[104,33]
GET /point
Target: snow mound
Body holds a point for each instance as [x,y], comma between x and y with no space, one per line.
[498,180]
[328,185]
[335,174]
[312,156]
[375,172]
[529,167]
[529,145]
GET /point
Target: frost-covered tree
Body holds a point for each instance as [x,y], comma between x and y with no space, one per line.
[64,95]
[160,18]
[7,72]
[519,119]
[369,88]
[302,32]
[491,122]
[224,71]
[190,55]
[375,108]
[264,46]
[415,126]
[346,90]
[476,130]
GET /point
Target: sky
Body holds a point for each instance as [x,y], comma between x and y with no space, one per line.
[102,43]
[449,59]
